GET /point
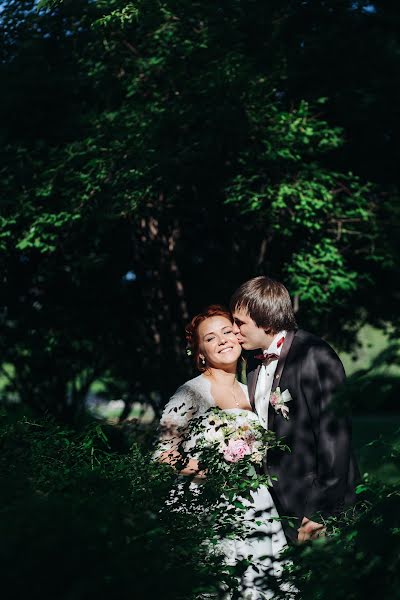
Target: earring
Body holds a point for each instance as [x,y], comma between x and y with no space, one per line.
[203,360]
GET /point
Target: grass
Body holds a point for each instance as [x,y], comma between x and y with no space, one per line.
[372,433]
[371,342]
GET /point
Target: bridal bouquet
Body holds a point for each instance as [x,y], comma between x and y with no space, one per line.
[231,446]
[235,436]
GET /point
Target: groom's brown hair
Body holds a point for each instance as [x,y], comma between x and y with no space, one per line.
[267,302]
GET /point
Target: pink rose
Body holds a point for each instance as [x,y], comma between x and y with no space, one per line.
[236,450]
[274,399]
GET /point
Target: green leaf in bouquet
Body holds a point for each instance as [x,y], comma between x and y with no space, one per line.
[251,472]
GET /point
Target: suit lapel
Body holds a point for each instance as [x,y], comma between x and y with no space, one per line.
[287,344]
[252,377]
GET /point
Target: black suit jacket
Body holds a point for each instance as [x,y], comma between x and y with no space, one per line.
[318,476]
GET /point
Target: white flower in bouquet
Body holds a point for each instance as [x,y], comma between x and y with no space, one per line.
[232,445]
[214,434]
[234,436]
[242,420]
[257,457]
[216,421]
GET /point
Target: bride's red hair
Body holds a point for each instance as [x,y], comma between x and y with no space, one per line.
[191,330]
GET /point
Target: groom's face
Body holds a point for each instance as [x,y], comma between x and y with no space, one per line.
[249,335]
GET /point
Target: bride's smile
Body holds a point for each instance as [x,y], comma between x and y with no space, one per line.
[218,345]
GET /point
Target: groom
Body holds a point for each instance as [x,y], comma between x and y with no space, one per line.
[291,380]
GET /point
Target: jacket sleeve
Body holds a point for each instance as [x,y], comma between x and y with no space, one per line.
[322,374]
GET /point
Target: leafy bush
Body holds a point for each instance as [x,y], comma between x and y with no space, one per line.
[85,515]
[360,558]
[80,520]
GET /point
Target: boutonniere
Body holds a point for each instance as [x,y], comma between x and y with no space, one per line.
[278,400]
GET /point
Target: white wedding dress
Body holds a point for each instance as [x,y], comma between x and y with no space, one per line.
[193,399]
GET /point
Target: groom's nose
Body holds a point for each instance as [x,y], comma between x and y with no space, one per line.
[235,329]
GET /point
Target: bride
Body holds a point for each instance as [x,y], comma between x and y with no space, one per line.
[216,351]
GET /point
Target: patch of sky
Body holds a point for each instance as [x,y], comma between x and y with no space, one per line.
[368,8]
[130,276]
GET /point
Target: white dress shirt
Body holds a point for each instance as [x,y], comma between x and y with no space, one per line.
[265,380]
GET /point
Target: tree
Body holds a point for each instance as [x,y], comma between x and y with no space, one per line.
[174,153]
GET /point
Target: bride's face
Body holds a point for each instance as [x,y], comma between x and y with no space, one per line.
[218,344]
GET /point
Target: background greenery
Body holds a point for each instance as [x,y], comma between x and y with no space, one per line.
[154,155]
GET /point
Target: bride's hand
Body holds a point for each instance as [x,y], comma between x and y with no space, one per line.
[192,470]
[310,530]
[199,477]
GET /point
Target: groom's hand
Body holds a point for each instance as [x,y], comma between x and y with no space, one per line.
[310,530]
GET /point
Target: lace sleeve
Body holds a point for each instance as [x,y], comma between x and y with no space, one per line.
[174,421]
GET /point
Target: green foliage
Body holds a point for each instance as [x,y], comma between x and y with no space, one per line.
[360,557]
[91,513]
[93,521]
[118,17]
[370,342]
[43,233]
[308,273]
[374,388]
[173,141]
[314,211]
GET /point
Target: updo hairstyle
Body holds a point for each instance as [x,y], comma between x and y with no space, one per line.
[192,335]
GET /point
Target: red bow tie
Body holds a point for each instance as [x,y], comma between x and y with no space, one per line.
[267,358]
